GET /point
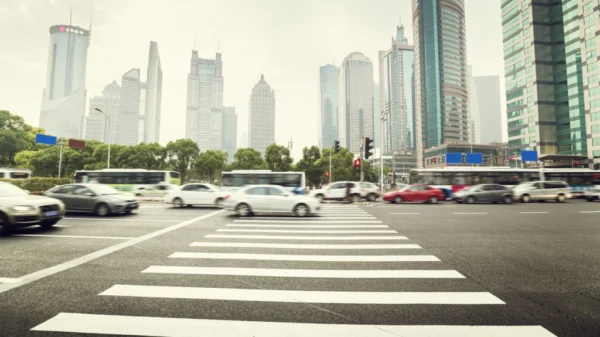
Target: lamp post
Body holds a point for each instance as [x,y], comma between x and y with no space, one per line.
[109,135]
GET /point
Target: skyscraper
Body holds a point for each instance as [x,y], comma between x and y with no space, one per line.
[475,121]
[261,121]
[153,96]
[229,132]
[328,108]
[396,94]
[64,98]
[126,125]
[441,82]
[489,112]
[97,126]
[376,115]
[204,112]
[355,117]
[552,75]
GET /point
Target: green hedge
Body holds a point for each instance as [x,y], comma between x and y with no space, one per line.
[37,184]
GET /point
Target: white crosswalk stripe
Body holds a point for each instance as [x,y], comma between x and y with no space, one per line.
[343,246]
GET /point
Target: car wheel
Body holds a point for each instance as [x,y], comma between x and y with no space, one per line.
[4,225]
[372,197]
[397,200]
[177,202]
[48,223]
[320,197]
[526,198]
[470,200]
[243,210]
[561,198]
[301,210]
[102,210]
[219,202]
[590,199]
[508,199]
[356,198]
[433,199]
[128,211]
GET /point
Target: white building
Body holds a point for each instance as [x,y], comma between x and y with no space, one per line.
[475,119]
[127,126]
[64,97]
[488,110]
[98,124]
[229,132]
[355,117]
[328,105]
[153,96]
[261,120]
[204,113]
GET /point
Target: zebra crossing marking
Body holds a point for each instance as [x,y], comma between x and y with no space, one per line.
[304,246]
[311,238]
[314,258]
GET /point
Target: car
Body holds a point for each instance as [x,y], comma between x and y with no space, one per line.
[98,199]
[270,199]
[593,194]
[369,191]
[196,194]
[20,209]
[337,191]
[415,193]
[484,193]
[154,191]
[542,191]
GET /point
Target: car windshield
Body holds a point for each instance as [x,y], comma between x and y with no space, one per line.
[8,190]
[103,189]
[405,188]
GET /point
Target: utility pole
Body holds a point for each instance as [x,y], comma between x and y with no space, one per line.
[362,140]
[330,157]
[60,158]
[383,120]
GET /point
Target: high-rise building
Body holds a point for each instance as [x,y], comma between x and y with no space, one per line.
[64,98]
[127,119]
[100,125]
[475,121]
[261,121]
[441,80]
[376,115]
[488,111]
[243,142]
[229,132]
[204,113]
[355,117]
[552,73]
[328,98]
[396,95]
[153,96]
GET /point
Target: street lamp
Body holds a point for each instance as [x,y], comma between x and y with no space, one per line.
[109,135]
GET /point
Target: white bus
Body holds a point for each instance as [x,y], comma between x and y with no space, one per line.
[128,180]
[14,173]
[293,181]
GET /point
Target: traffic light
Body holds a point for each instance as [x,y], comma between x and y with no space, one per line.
[327,174]
[368,147]
[357,164]
[336,146]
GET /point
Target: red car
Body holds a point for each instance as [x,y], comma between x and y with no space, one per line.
[415,193]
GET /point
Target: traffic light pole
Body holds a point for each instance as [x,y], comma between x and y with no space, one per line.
[60,158]
[330,157]
[362,175]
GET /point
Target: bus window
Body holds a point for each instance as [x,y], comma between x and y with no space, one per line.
[1,175]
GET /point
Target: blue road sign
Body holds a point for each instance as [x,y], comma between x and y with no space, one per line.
[529,156]
[45,139]
[475,158]
[453,158]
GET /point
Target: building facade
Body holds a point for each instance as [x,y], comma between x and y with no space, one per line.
[229,132]
[153,96]
[204,113]
[493,154]
[552,75]
[488,109]
[100,125]
[396,95]
[261,120]
[328,107]
[64,97]
[355,117]
[127,120]
[441,79]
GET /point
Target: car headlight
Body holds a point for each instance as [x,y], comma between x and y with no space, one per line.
[22,208]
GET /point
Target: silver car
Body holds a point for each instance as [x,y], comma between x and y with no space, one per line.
[484,193]
[542,191]
[593,194]
[101,200]
[270,199]
[19,209]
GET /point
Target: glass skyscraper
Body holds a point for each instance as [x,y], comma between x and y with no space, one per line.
[328,97]
[441,80]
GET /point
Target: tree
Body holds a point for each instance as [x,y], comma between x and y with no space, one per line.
[147,156]
[315,175]
[14,137]
[210,162]
[278,159]
[180,154]
[247,159]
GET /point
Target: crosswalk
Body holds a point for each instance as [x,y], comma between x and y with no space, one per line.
[340,274]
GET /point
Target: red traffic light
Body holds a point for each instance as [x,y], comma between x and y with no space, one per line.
[357,164]
[327,174]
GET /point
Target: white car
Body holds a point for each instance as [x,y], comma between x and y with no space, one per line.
[270,199]
[337,191]
[593,194]
[196,194]
[155,191]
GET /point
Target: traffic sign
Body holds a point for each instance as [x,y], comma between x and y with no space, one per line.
[529,156]
[45,139]
[76,144]
[453,158]
[475,158]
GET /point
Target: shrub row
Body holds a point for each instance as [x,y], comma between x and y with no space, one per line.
[38,184]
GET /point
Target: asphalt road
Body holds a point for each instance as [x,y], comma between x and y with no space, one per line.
[358,270]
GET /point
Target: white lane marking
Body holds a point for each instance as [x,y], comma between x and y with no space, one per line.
[321,218]
[75,236]
[297,296]
[315,237]
[61,226]
[305,246]
[121,220]
[300,231]
[185,327]
[533,212]
[8,280]
[470,213]
[156,206]
[589,212]
[305,273]
[307,226]
[309,221]
[314,258]
[405,213]
[100,253]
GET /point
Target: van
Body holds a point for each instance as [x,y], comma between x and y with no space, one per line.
[542,191]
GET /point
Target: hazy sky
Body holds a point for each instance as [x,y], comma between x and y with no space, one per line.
[285,40]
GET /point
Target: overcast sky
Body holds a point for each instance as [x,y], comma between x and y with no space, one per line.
[285,40]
